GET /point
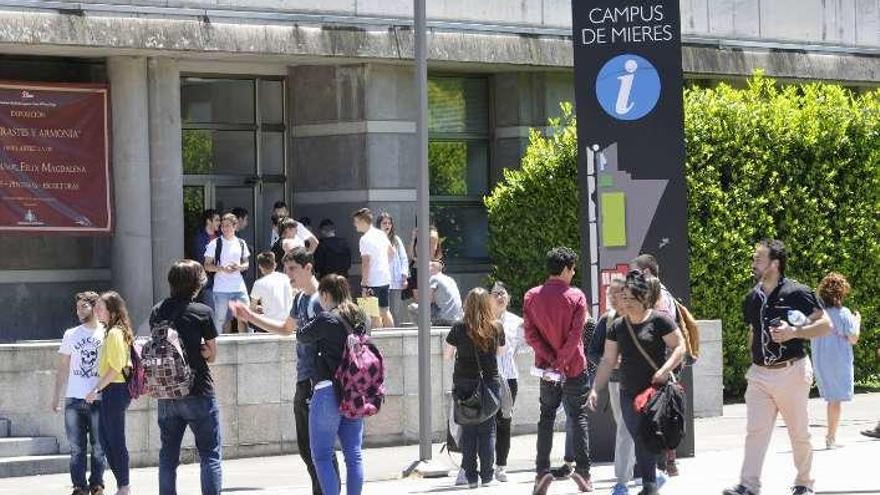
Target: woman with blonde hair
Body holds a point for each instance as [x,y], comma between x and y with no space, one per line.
[474,343]
[113,359]
[833,354]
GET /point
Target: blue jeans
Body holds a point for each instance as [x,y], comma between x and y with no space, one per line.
[478,440]
[81,424]
[202,414]
[221,307]
[114,403]
[325,425]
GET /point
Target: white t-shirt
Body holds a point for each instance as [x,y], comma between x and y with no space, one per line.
[82,345]
[375,244]
[299,240]
[275,295]
[231,253]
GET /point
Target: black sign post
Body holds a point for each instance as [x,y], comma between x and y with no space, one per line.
[628,92]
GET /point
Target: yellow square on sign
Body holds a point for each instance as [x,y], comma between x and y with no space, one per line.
[613,206]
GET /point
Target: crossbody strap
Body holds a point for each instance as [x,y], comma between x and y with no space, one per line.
[641,349]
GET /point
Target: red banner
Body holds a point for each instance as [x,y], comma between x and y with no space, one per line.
[54,158]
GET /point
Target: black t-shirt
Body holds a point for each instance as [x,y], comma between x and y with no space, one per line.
[760,309]
[636,372]
[465,362]
[193,322]
[330,337]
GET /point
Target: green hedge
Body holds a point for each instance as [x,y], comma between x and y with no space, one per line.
[801,163]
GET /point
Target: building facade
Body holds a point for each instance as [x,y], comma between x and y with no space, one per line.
[224,103]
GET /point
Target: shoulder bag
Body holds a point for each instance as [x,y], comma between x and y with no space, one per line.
[480,405]
[662,408]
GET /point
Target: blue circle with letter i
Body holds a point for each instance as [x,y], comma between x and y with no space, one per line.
[628,87]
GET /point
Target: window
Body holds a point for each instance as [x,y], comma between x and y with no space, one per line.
[232,126]
[458,160]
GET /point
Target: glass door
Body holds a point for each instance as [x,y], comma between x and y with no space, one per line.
[234,153]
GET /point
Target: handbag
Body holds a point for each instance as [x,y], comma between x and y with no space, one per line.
[506,399]
[662,408]
[480,405]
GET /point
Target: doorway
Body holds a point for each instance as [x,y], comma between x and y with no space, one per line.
[234,153]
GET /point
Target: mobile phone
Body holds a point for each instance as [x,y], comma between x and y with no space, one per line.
[775,322]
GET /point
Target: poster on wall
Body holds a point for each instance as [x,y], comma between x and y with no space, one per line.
[628,77]
[54,158]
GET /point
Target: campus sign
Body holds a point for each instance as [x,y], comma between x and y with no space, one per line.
[54,158]
[628,90]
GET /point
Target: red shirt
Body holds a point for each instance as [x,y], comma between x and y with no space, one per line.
[555,314]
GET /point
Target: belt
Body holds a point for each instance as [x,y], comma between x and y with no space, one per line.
[323,384]
[780,365]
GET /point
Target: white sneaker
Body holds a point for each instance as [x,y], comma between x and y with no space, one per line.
[831,443]
[461,480]
[501,474]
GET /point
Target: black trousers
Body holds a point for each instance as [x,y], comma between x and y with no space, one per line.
[301,401]
[572,394]
[502,440]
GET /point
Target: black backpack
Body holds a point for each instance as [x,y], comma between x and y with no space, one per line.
[663,424]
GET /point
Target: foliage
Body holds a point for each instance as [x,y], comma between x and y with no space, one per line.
[197,151]
[800,163]
[535,208]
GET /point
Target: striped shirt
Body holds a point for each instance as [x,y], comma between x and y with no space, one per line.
[516,342]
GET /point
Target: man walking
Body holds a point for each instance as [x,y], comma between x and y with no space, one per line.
[554,317]
[376,253]
[782,314]
[298,264]
[78,371]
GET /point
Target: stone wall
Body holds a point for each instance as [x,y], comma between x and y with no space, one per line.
[255,378]
[848,23]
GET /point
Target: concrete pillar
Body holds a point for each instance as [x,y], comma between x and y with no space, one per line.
[353,143]
[166,169]
[132,251]
[523,100]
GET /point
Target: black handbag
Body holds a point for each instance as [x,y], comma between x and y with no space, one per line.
[663,418]
[480,405]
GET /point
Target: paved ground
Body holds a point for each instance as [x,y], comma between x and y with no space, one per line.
[847,471]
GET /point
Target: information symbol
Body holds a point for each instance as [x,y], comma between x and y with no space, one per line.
[628,87]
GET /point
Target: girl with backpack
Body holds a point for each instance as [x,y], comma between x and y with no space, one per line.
[113,359]
[640,338]
[475,342]
[329,331]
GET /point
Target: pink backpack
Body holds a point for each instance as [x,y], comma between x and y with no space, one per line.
[134,378]
[360,376]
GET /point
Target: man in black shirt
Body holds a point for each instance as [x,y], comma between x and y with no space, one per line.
[781,314]
[200,409]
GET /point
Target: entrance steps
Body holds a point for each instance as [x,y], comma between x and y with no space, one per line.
[28,456]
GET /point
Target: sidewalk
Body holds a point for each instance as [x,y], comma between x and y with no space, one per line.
[716,465]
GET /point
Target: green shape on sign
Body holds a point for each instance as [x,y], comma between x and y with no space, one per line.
[613,205]
[606,180]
